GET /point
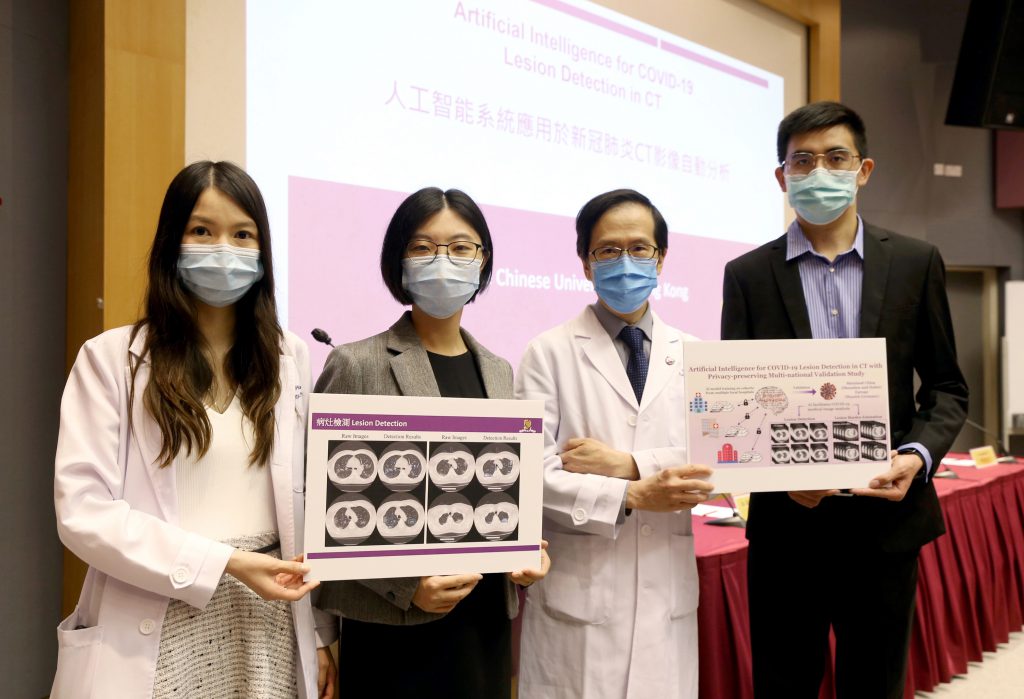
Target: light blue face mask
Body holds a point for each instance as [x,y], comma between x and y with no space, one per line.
[439,286]
[219,275]
[821,196]
[625,283]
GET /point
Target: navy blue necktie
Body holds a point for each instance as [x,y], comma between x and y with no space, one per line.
[636,367]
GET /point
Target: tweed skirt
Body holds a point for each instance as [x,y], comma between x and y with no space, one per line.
[238,646]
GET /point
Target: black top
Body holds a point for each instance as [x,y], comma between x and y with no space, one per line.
[457,377]
[466,654]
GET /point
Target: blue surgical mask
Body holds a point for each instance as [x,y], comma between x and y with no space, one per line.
[625,283]
[439,286]
[219,275]
[821,196]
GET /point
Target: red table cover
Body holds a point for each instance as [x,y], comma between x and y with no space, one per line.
[970,592]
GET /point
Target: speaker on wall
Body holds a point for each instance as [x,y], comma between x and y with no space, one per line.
[988,89]
[1009,179]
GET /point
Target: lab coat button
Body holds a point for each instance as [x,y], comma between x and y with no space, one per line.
[181,576]
[646,530]
[631,420]
[579,515]
[147,627]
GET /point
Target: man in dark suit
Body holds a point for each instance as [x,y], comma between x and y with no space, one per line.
[824,559]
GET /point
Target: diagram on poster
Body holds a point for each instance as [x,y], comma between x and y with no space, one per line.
[772,415]
[400,487]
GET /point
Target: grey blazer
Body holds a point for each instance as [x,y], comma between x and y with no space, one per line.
[394,363]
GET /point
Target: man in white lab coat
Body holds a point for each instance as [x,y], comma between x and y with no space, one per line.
[616,616]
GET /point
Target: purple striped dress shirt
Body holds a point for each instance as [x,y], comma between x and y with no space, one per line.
[832,292]
[832,289]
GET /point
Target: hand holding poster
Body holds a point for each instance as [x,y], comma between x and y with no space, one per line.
[402,487]
[771,415]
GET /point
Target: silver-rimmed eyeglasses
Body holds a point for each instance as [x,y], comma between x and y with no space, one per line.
[460,252]
[638,251]
[802,163]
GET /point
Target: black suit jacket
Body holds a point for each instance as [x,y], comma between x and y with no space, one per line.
[904,301]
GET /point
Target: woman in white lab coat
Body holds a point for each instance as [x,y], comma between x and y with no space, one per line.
[180,460]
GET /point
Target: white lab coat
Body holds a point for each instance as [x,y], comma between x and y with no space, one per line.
[117,510]
[616,616]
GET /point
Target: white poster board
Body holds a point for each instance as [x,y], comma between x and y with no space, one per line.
[772,415]
[408,487]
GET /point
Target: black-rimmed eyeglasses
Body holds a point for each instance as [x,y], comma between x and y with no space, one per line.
[460,252]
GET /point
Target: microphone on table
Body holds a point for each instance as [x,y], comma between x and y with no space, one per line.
[1000,450]
[733,520]
[1004,455]
[322,336]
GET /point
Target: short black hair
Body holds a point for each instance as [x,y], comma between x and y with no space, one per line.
[597,207]
[817,116]
[411,214]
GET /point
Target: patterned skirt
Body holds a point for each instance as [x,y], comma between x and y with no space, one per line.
[239,646]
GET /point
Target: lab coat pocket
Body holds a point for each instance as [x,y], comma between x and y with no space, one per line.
[78,652]
[580,585]
[685,584]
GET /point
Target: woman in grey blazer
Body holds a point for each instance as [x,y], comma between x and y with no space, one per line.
[446,636]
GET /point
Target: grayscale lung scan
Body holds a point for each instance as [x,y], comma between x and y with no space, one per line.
[408,493]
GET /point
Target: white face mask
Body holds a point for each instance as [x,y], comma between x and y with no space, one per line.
[439,286]
[219,275]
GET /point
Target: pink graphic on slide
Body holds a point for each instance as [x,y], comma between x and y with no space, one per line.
[335,232]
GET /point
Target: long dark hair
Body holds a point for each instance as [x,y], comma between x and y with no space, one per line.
[180,374]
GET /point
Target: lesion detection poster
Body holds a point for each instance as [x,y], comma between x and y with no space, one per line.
[402,486]
[772,415]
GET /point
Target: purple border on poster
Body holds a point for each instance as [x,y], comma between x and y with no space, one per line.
[618,28]
[422,552]
[427,423]
[582,14]
[712,63]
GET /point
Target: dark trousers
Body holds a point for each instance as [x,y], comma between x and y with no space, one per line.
[798,592]
[466,654]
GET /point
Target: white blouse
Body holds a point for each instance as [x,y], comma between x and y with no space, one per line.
[220,495]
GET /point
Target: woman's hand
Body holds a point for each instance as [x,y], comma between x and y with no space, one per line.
[269,577]
[439,594]
[327,674]
[529,576]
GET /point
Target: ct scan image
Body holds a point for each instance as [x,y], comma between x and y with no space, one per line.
[407,493]
[473,491]
[376,493]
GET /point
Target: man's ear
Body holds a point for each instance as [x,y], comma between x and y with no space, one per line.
[866,168]
[780,178]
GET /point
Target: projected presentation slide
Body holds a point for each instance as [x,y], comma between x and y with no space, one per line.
[531,108]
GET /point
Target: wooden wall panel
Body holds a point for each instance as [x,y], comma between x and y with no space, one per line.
[127,140]
[822,18]
[85,175]
[85,207]
[144,139]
